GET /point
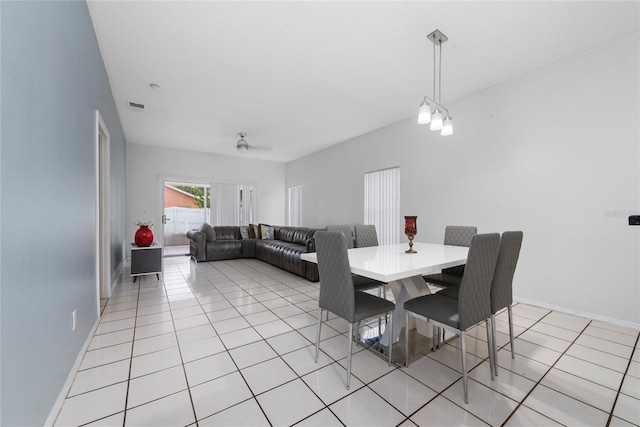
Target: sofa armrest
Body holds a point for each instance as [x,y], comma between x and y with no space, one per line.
[311,245]
[196,234]
[197,244]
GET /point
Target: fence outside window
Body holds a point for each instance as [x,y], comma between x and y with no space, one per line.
[180,220]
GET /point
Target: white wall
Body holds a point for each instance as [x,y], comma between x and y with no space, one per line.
[552,153]
[146,165]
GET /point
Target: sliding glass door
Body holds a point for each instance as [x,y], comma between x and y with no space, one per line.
[186,206]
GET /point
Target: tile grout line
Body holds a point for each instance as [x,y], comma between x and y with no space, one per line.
[133,340]
[182,364]
[624,376]
[232,359]
[227,350]
[549,370]
[245,288]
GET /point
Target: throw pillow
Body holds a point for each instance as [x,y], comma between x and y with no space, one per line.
[209,232]
[254,231]
[266,231]
[244,232]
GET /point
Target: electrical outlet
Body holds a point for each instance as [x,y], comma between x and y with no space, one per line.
[74,319]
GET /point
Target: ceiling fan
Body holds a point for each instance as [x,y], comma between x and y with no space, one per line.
[243,145]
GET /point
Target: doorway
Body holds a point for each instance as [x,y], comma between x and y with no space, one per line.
[103,230]
[186,206]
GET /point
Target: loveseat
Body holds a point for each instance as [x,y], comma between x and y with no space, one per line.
[277,245]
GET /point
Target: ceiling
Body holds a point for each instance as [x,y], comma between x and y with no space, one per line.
[301,76]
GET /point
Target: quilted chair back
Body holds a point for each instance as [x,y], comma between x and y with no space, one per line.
[502,285]
[336,285]
[344,229]
[366,235]
[474,298]
[458,235]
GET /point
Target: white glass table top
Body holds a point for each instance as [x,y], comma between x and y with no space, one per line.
[390,262]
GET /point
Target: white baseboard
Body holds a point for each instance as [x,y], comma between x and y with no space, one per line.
[591,316]
[116,276]
[57,406]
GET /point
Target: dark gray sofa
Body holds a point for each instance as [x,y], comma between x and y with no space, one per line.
[283,251]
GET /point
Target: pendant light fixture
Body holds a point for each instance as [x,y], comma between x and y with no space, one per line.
[425,116]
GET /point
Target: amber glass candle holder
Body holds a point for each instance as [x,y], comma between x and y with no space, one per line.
[410,229]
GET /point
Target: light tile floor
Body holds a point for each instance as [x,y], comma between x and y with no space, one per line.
[229,343]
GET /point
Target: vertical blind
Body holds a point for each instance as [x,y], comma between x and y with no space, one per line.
[382,203]
[234,204]
[294,206]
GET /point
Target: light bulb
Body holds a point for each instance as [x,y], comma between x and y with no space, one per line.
[447,127]
[424,113]
[436,120]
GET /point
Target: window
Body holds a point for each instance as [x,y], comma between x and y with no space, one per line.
[382,203]
[233,204]
[294,206]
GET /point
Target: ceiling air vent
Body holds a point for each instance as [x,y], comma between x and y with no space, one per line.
[135,106]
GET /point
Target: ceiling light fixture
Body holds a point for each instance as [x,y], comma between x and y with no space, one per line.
[242,145]
[425,116]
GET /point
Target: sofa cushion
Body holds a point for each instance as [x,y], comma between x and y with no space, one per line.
[224,249]
[298,235]
[266,232]
[209,232]
[227,232]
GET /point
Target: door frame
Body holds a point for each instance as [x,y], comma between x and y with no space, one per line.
[103,207]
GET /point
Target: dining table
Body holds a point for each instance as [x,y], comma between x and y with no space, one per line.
[402,272]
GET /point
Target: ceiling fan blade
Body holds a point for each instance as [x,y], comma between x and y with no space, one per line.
[260,148]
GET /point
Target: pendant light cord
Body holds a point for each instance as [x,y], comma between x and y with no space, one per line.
[434,72]
[440,75]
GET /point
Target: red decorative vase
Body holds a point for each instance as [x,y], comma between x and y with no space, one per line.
[144,236]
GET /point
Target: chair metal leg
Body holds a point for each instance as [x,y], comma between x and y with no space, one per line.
[357,335]
[318,337]
[390,340]
[434,338]
[490,345]
[495,344]
[350,351]
[379,333]
[463,351]
[406,338]
[513,355]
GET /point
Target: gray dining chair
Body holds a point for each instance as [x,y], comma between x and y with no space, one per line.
[501,285]
[454,235]
[337,293]
[344,229]
[366,235]
[359,282]
[472,306]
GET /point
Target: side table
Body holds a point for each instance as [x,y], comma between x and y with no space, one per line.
[146,260]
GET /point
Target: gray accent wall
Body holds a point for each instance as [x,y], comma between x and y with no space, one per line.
[53,79]
[554,153]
